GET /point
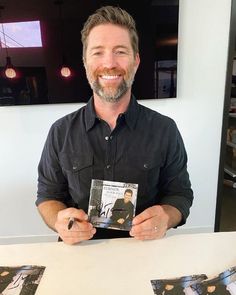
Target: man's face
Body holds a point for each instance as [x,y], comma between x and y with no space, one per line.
[110,62]
[211,289]
[169,287]
[127,197]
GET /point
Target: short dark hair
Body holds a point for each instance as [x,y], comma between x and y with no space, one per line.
[128,191]
[110,15]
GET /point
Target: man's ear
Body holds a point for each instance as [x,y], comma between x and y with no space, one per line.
[137,61]
[84,61]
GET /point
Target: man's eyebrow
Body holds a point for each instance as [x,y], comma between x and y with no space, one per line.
[96,47]
[116,47]
[121,46]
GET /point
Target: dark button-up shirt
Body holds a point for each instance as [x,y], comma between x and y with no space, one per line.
[145,148]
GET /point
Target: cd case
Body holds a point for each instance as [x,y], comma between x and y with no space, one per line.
[112,204]
[222,284]
[22,279]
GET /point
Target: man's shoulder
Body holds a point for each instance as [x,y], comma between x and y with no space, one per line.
[151,115]
[69,118]
[71,123]
[119,201]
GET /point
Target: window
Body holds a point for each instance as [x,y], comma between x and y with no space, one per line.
[21,34]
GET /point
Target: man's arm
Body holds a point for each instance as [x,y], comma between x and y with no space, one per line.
[53,197]
[175,193]
[49,211]
[56,216]
[174,215]
[130,214]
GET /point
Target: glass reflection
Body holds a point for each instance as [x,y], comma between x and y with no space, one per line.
[37,39]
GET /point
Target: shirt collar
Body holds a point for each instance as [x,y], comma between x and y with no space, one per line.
[90,115]
[130,115]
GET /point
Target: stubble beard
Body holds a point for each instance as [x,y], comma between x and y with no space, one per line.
[115,93]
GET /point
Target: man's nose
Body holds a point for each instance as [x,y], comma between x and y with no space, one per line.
[109,60]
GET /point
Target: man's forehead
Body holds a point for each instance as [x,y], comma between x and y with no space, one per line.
[108,32]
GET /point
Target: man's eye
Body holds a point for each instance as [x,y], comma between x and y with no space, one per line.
[97,53]
[120,52]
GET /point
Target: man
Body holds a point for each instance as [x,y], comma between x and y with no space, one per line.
[164,288]
[208,287]
[123,210]
[113,138]
[173,289]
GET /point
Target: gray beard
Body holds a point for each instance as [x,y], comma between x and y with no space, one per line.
[111,97]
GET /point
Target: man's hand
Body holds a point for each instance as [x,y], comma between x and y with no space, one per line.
[80,231]
[154,222]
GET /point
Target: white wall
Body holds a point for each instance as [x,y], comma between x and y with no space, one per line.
[198,110]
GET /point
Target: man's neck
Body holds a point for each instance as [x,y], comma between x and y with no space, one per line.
[109,111]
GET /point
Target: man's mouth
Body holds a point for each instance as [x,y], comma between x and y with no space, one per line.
[110,74]
[109,77]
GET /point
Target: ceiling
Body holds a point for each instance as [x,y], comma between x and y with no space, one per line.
[46,9]
[42,9]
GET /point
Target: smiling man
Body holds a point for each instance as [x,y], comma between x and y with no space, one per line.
[113,138]
[110,63]
[123,210]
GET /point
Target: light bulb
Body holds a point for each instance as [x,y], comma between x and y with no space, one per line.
[65,72]
[10,73]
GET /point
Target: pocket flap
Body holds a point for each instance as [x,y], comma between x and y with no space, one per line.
[75,162]
[143,162]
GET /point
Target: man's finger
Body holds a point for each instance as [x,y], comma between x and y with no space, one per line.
[80,226]
[78,214]
[146,214]
[145,226]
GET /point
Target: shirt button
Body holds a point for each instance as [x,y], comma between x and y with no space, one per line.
[108,166]
[106,137]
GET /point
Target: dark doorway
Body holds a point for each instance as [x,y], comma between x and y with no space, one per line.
[225,219]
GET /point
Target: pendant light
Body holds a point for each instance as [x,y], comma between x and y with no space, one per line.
[9,71]
[65,70]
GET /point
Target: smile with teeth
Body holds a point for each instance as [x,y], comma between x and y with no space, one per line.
[109,77]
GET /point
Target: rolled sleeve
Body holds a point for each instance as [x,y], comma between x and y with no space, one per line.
[174,180]
[52,184]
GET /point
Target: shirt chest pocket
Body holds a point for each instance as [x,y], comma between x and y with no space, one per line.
[78,169]
[143,170]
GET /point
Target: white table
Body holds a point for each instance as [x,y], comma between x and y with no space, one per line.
[122,266]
